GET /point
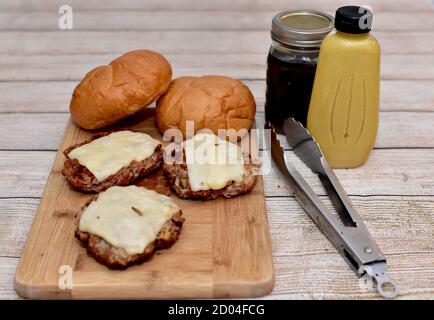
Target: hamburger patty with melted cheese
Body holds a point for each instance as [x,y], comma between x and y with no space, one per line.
[123,226]
[82,179]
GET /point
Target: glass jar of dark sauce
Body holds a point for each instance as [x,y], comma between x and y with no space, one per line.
[291,64]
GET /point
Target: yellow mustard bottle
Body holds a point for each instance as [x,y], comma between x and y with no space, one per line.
[344,105]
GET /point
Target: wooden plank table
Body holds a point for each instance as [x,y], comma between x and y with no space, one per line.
[393,191]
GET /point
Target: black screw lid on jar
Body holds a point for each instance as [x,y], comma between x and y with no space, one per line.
[353,19]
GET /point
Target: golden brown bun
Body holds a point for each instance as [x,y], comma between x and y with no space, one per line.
[127,85]
[213,102]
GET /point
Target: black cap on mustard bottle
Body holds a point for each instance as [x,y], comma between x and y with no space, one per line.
[353,19]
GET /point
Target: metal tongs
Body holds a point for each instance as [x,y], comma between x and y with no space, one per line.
[346,231]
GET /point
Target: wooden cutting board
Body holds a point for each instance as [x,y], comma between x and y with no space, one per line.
[224,249]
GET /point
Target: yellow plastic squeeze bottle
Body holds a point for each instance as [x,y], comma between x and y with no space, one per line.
[344,105]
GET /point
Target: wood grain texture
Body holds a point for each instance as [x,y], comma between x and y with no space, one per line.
[7,272]
[54,96]
[189,20]
[414,128]
[16,219]
[194,5]
[24,174]
[388,172]
[20,67]
[306,265]
[181,42]
[319,276]
[309,267]
[224,249]
[409,222]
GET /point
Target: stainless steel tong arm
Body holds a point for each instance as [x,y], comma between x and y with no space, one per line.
[346,231]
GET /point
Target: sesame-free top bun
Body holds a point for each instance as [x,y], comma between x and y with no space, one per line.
[212,102]
[127,85]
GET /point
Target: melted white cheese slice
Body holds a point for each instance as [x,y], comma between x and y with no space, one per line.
[107,155]
[212,162]
[127,217]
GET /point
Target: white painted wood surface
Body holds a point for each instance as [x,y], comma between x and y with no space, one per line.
[393,192]
[215,20]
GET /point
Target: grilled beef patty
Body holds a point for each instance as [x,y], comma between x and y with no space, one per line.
[118,258]
[178,177]
[81,179]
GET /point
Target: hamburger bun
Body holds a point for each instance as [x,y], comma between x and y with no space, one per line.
[212,102]
[112,92]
